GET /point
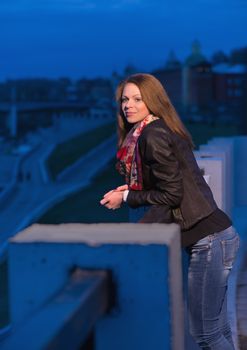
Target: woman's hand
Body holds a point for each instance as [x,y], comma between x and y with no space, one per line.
[122,188]
[119,188]
[112,199]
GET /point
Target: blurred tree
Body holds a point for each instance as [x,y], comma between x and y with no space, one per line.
[219,57]
[129,69]
[172,62]
[239,56]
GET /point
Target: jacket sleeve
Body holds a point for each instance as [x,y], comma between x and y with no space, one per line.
[156,153]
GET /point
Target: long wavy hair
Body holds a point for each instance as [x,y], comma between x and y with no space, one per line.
[157,101]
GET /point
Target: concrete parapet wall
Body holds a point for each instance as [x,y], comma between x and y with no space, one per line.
[235,159]
[225,146]
[145,261]
[240,170]
[220,176]
[214,167]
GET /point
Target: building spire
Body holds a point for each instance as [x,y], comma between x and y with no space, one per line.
[196,56]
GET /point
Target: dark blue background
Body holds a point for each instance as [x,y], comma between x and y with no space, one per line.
[80,38]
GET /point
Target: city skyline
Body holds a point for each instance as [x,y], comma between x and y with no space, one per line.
[94,38]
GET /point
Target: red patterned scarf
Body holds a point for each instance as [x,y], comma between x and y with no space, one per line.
[128,156]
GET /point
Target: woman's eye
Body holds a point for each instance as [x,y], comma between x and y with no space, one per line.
[125,100]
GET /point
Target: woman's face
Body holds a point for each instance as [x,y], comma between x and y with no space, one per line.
[133,107]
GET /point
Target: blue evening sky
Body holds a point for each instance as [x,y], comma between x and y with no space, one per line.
[83,38]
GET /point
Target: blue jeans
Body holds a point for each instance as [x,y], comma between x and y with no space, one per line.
[211,260]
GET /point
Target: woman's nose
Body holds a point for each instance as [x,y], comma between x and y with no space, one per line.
[128,103]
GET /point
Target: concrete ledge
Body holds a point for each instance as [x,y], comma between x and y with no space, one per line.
[145,263]
[97,234]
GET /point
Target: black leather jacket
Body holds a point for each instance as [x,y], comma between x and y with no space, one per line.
[174,187]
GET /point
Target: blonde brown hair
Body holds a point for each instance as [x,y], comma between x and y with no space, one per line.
[157,101]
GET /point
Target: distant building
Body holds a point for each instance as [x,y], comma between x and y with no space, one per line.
[95,91]
[198,86]
[171,78]
[196,57]
[229,83]
[35,90]
[71,92]
[199,89]
[197,81]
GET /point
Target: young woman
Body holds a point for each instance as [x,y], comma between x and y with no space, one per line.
[156,158]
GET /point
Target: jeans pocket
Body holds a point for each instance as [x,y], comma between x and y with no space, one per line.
[229,250]
[201,247]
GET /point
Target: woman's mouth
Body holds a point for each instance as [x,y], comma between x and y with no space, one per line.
[129,114]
